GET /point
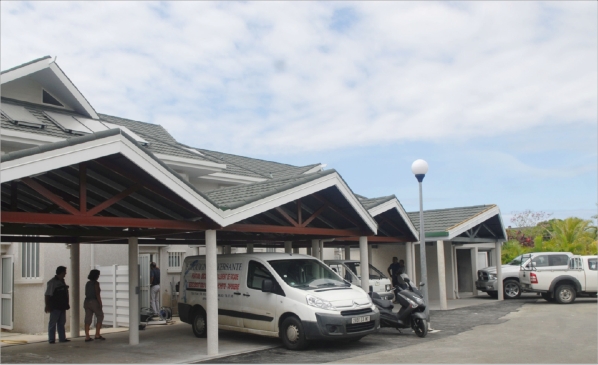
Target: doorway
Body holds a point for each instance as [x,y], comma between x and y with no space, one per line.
[6,301]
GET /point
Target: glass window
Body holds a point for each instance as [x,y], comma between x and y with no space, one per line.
[30,260]
[516,261]
[175,261]
[306,273]
[540,261]
[592,264]
[558,260]
[375,274]
[256,274]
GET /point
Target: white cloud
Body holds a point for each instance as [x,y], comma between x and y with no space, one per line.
[274,77]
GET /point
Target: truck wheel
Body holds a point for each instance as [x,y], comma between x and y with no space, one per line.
[493,294]
[292,334]
[547,297]
[511,289]
[199,324]
[565,294]
[420,327]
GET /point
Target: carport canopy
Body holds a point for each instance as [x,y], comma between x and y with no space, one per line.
[106,188]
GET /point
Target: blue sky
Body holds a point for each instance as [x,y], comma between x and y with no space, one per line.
[499,97]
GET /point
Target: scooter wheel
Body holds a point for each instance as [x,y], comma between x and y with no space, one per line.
[420,327]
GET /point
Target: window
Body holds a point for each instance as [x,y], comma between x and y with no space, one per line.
[175,261]
[540,261]
[593,264]
[558,260]
[256,274]
[30,260]
[47,98]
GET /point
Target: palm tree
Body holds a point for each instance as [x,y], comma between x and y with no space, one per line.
[571,235]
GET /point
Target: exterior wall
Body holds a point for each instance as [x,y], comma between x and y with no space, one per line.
[23,89]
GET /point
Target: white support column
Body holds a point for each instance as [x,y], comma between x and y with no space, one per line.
[456,273]
[315,248]
[408,260]
[453,281]
[498,251]
[212,292]
[288,247]
[250,248]
[347,253]
[321,250]
[474,270]
[370,258]
[364,263]
[75,292]
[441,275]
[133,291]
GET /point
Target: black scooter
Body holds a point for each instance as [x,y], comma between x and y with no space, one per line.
[411,314]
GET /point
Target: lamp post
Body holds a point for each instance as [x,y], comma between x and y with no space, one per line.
[420,168]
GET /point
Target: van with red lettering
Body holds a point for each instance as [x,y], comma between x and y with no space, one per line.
[297,298]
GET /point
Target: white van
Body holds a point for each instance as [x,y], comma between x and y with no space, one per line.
[350,270]
[295,297]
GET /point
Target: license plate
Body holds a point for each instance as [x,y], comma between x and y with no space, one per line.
[360,319]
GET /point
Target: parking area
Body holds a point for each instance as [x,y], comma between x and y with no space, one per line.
[478,330]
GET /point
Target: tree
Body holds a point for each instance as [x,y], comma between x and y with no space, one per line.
[574,235]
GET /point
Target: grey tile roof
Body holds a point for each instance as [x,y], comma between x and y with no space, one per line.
[155,131]
[374,202]
[25,64]
[441,220]
[236,196]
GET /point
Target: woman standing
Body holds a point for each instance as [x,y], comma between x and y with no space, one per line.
[93,305]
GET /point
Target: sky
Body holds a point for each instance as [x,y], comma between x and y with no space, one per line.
[500,98]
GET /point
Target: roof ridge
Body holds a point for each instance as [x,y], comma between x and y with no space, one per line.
[470,218]
[25,64]
[253,158]
[471,206]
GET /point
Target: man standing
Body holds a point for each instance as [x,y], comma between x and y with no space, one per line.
[394,270]
[155,287]
[57,303]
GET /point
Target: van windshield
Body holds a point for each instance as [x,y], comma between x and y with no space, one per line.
[306,273]
[375,274]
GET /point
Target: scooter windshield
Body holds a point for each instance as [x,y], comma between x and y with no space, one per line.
[306,274]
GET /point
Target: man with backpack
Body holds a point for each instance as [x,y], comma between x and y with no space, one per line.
[57,303]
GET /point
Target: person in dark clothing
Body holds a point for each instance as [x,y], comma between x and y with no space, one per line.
[155,287]
[394,270]
[57,303]
[93,305]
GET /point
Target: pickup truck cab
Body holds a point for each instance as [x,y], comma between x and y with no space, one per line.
[295,297]
[579,278]
[487,280]
[350,270]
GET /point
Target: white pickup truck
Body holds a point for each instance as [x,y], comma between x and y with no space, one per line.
[580,278]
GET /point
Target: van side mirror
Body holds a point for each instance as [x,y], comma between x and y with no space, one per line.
[267,286]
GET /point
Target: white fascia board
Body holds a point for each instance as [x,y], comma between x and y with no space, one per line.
[276,200]
[394,203]
[10,135]
[51,160]
[74,91]
[25,70]
[190,163]
[478,219]
[224,177]
[315,169]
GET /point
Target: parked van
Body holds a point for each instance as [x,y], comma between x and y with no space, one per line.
[350,270]
[295,297]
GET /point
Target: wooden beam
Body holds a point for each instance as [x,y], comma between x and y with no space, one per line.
[115,199]
[80,220]
[83,187]
[299,213]
[387,221]
[254,228]
[374,239]
[336,209]
[50,195]
[14,195]
[314,215]
[287,217]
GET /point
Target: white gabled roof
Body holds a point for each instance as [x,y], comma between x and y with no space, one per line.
[395,204]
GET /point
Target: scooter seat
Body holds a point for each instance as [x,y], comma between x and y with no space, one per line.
[382,303]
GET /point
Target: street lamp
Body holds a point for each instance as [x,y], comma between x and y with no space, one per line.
[420,168]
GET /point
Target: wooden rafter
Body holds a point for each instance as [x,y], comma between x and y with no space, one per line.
[287,217]
[83,187]
[50,195]
[299,213]
[255,228]
[336,209]
[314,215]
[115,199]
[387,221]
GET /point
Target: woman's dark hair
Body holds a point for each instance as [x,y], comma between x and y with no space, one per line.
[93,275]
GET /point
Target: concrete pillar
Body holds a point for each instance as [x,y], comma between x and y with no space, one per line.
[315,248]
[75,296]
[474,270]
[441,274]
[321,250]
[364,263]
[308,251]
[250,248]
[288,247]
[226,250]
[212,292]
[498,254]
[453,278]
[295,249]
[370,258]
[133,291]
[455,273]
[347,253]
[409,260]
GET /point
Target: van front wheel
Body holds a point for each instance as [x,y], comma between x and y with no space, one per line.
[199,324]
[292,334]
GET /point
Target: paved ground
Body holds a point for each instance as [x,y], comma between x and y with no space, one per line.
[449,323]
